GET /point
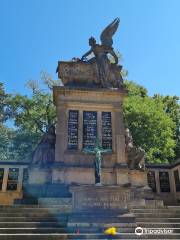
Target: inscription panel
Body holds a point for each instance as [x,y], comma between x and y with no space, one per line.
[73,129]
[1,177]
[164,181]
[89,129]
[12,179]
[151,180]
[99,200]
[106,130]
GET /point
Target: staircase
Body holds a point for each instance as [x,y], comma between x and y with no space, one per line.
[48,221]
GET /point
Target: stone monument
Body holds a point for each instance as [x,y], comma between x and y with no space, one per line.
[89,107]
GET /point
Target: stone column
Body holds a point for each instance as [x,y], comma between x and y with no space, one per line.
[113,122]
[20,179]
[61,133]
[157,181]
[172,184]
[120,138]
[5,179]
[122,173]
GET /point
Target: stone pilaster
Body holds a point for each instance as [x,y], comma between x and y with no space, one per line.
[61,133]
[120,139]
[5,179]
[20,180]
[157,181]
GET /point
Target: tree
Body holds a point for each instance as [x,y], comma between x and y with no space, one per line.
[32,116]
[172,109]
[151,124]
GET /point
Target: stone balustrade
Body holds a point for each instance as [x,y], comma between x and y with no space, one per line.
[164,179]
[12,177]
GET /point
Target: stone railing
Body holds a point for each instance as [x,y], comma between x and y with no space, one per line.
[164,179]
[12,177]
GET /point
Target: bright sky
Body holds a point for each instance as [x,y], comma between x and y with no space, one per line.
[35,34]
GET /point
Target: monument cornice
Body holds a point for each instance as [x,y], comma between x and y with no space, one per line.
[97,95]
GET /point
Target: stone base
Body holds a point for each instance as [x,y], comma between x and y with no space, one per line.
[38,175]
[100,198]
[8,197]
[93,198]
[138,178]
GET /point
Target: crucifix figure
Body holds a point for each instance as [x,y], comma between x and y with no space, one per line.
[97,150]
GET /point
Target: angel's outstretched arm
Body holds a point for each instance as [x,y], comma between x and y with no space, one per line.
[87,54]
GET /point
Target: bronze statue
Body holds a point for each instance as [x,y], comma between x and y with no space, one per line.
[105,67]
[98,150]
[44,153]
[97,70]
[135,155]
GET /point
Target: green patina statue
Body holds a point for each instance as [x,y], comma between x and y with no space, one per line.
[97,150]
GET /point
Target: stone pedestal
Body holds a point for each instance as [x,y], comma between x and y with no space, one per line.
[38,175]
[100,198]
[101,206]
[78,167]
[138,178]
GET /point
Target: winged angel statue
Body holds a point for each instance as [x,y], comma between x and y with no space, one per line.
[95,66]
[109,73]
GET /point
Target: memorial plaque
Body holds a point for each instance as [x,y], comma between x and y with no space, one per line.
[73,129]
[1,177]
[12,179]
[106,130]
[164,181]
[177,181]
[89,129]
[151,180]
[99,198]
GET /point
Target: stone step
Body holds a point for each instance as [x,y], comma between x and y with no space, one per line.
[176,207]
[54,201]
[102,224]
[58,236]
[39,209]
[156,220]
[158,224]
[31,224]
[17,206]
[34,219]
[33,214]
[161,210]
[98,230]
[157,215]
[33,230]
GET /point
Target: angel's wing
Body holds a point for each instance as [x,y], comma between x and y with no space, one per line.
[108,32]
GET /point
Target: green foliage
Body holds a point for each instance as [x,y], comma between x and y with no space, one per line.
[5,142]
[172,109]
[151,126]
[32,116]
[135,89]
[3,102]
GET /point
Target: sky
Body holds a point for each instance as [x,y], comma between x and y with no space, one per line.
[36,34]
